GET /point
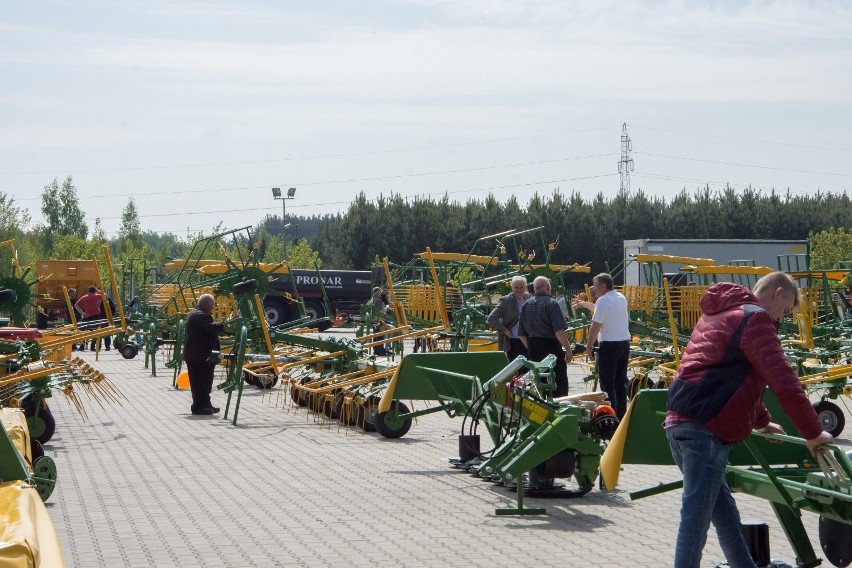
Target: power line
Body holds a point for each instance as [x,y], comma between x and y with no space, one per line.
[492,188]
[730,183]
[351,180]
[752,140]
[315,157]
[743,165]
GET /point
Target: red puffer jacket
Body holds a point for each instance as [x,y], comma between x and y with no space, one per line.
[732,355]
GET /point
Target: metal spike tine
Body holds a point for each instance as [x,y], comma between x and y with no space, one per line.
[94,395]
[114,391]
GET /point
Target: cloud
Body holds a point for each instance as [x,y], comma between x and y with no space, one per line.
[510,65]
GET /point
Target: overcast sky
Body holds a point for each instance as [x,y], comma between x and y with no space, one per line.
[197,109]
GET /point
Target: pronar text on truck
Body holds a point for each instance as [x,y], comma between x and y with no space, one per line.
[346,291]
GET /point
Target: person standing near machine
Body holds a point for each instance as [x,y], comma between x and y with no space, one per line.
[504,318]
[90,306]
[202,338]
[611,328]
[716,400]
[542,331]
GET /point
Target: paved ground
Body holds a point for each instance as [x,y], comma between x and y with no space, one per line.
[148,484]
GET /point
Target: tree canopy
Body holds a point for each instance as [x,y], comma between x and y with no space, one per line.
[589,229]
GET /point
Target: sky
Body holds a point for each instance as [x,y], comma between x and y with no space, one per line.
[195,109]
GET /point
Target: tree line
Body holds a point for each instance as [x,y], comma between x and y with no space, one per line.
[588,230]
[582,230]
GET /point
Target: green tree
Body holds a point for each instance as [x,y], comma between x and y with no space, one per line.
[301,255]
[273,251]
[13,219]
[98,234]
[829,247]
[72,247]
[130,231]
[61,209]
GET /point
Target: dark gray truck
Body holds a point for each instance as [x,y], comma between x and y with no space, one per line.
[347,290]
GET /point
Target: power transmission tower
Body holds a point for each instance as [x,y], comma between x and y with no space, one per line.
[625,166]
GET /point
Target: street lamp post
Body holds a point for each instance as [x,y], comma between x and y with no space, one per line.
[291,194]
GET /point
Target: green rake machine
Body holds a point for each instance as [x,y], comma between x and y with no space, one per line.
[776,468]
[532,435]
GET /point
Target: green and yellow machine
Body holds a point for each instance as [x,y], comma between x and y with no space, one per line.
[532,434]
[777,468]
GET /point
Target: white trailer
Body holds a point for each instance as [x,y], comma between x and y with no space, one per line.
[791,254]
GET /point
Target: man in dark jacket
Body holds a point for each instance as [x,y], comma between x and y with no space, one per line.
[202,338]
[716,400]
[504,319]
[114,315]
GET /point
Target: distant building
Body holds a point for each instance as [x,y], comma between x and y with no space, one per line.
[784,255]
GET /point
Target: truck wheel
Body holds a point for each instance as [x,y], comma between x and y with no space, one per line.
[316,310]
[276,314]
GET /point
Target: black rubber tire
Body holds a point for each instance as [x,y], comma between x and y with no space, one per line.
[129,350]
[315,310]
[368,413]
[636,384]
[36,450]
[43,426]
[337,406]
[300,396]
[349,414]
[835,539]
[389,425]
[327,406]
[246,287]
[539,479]
[831,417]
[249,379]
[264,383]
[276,312]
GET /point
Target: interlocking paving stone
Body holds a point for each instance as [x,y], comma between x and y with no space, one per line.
[148,484]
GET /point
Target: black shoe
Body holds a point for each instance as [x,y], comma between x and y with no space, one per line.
[214,409]
[107,349]
[203,411]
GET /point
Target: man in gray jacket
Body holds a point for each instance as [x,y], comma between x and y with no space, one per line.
[504,318]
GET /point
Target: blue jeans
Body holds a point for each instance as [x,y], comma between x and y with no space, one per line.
[702,458]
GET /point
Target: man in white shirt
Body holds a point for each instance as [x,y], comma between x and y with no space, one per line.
[610,327]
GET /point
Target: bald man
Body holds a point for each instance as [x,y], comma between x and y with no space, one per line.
[202,338]
[542,331]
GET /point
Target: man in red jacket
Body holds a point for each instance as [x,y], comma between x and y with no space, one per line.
[90,306]
[716,400]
